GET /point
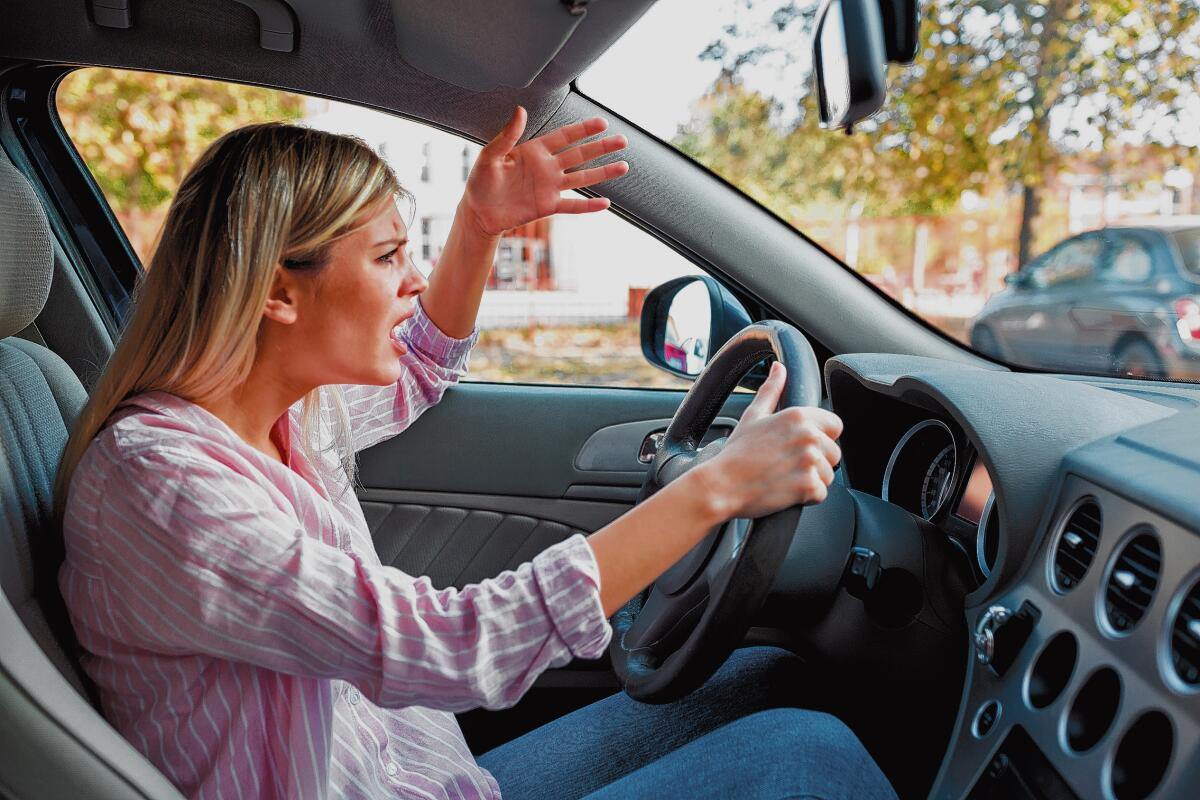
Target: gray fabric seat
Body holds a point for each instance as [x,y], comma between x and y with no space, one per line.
[53,741]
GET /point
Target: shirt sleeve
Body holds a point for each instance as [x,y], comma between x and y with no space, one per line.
[433,362]
[199,559]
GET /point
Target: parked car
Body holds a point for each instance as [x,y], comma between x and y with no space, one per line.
[1124,300]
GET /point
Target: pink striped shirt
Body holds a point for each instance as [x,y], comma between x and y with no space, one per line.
[247,640]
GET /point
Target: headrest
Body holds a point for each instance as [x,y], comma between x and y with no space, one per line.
[26,257]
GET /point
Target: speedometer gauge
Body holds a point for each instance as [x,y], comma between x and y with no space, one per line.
[939,478]
[920,475]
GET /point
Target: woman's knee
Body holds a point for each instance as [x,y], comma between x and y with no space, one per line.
[759,677]
[802,753]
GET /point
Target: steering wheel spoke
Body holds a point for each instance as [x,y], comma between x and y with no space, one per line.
[665,622]
[735,534]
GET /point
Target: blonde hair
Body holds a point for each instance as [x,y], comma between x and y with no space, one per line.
[259,196]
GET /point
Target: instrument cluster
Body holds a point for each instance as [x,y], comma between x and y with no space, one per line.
[935,473]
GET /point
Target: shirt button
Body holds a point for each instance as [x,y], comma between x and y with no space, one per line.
[354,697]
[391,770]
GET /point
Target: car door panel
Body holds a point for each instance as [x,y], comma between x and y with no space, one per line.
[519,440]
[495,473]
[1125,303]
[461,539]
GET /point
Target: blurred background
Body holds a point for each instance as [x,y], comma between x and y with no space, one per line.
[1030,187]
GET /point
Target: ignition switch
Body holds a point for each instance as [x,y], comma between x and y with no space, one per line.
[1000,634]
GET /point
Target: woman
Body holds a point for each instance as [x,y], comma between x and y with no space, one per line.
[220,575]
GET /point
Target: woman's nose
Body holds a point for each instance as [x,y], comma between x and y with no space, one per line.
[414,282]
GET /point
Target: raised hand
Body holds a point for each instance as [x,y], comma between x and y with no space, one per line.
[512,185]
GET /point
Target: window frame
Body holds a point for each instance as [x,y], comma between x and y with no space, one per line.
[78,212]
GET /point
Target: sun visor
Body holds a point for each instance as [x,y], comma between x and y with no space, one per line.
[483,44]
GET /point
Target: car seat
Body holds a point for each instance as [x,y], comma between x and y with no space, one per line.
[53,741]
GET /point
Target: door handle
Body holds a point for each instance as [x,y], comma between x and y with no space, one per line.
[650,446]
[650,443]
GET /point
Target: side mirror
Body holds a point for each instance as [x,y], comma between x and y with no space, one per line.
[850,60]
[685,320]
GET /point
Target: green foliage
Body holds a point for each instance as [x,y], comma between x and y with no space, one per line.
[1002,94]
[139,132]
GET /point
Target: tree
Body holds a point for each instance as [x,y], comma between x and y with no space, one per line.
[1002,94]
[139,132]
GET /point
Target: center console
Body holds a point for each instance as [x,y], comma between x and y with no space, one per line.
[1084,678]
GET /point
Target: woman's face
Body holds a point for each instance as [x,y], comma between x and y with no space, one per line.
[347,313]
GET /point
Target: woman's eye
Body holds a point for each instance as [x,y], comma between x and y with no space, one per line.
[387,257]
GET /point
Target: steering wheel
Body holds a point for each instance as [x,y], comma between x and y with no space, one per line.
[671,637]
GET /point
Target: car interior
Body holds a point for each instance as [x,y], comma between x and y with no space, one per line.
[1001,595]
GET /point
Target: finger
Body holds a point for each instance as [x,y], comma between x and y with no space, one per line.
[590,177]
[824,471]
[561,138]
[767,399]
[818,491]
[829,422]
[574,156]
[830,449]
[509,135]
[581,205]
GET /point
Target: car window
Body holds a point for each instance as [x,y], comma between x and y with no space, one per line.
[1073,261]
[1018,127]
[1188,242]
[1130,261]
[563,302]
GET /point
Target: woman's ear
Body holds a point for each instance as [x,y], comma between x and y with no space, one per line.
[281,305]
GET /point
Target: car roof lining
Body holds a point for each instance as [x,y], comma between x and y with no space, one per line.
[219,39]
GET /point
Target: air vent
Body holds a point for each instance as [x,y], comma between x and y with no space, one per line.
[1132,581]
[1185,639]
[1076,546]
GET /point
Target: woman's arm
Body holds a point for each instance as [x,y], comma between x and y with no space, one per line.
[456,286]
[195,558]
[510,186]
[772,461]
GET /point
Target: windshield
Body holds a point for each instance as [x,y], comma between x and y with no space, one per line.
[1026,188]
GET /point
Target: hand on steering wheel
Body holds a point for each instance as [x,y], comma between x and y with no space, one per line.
[780,457]
[669,639]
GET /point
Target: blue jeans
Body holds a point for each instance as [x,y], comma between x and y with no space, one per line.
[729,738]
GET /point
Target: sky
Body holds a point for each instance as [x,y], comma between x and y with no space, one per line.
[659,56]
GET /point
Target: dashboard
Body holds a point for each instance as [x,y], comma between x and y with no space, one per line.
[1075,504]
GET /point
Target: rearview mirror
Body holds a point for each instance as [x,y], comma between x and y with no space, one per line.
[901,22]
[850,61]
